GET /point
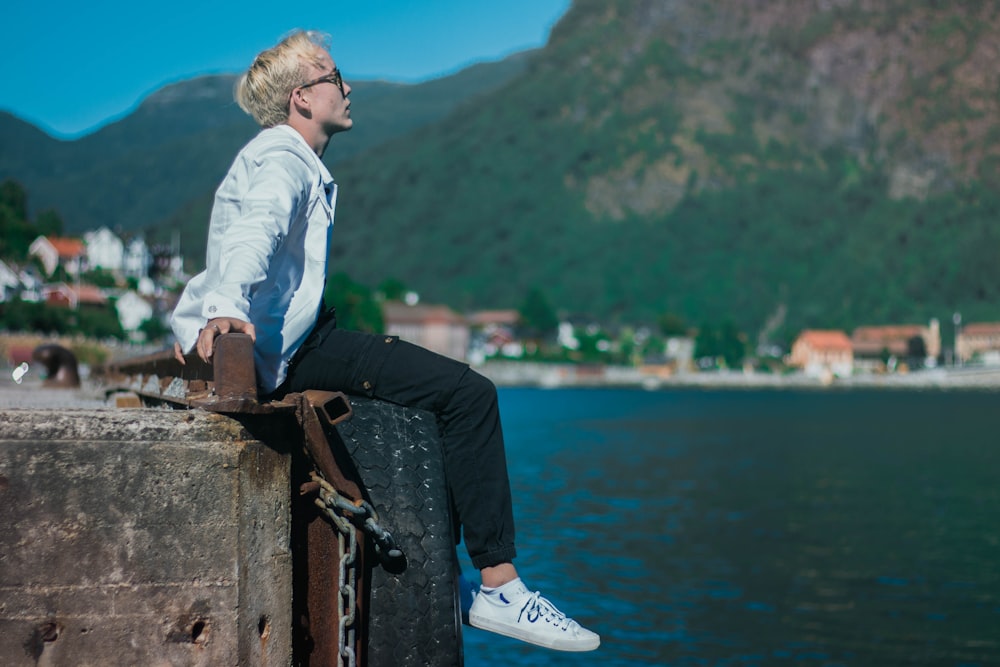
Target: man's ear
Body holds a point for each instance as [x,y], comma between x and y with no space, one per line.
[300,99]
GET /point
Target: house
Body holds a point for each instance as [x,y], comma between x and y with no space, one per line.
[22,283]
[566,336]
[437,328]
[138,259]
[133,310]
[73,296]
[900,341]
[823,353]
[166,263]
[494,319]
[573,327]
[10,282]
[978,340]
[105,250]
[679,352]
[495,331]
[55,251]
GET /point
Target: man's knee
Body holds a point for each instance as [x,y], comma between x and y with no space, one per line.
[477,387]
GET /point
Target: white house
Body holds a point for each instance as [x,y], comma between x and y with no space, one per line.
[680,351]
[138,258]
[31,284]
[10,282]
[567,336]
[133,310]
[46,252]
[105,250]
[147,286]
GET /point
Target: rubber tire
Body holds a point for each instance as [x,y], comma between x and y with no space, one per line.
[414,615]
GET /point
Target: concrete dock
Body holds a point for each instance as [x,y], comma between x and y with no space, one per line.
[139,536]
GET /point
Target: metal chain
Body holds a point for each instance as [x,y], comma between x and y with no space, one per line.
[347,545]
[361,512]
[342,512]
[347,580]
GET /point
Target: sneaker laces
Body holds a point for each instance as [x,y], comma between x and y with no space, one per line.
[536,607]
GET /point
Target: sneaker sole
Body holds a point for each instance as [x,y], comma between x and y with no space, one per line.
[576,645]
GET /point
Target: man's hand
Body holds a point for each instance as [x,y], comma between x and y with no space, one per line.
[216,327]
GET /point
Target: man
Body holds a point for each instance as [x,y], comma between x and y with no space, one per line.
[266,269]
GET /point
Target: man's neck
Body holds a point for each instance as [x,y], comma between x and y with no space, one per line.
[316,139]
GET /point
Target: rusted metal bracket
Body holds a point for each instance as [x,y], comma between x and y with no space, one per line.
[314,410]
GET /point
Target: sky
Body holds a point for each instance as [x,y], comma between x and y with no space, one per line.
[70,67]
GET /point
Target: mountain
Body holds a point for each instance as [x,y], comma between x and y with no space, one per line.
[177,145]
[778,164]
[775,165]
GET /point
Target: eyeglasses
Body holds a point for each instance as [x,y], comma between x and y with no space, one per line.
[333,77]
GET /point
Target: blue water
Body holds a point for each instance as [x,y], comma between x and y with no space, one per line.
[758,527]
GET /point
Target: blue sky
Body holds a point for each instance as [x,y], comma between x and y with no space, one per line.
[70,67]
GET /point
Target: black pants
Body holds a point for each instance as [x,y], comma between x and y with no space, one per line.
[464,402]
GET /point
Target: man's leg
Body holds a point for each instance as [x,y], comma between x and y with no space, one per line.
[465,404]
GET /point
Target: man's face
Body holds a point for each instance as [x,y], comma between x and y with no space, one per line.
[330,104]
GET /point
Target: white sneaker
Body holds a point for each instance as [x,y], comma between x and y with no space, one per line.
[513,611]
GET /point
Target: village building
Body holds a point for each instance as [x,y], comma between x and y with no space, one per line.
[494,332]
[566,336]
[979,341]
[491,320]
[10,282]
[54,252]
[133,310]
[902,341]
[823,353]
[679,352]
[137,259]
[105,250]
[437,328]
[30,283]
[73,296]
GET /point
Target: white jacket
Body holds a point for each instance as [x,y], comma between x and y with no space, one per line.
[267,250]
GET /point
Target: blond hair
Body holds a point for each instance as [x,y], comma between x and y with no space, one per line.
[264,90]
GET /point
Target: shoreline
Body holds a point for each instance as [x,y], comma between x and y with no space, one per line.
[557,376]
[31,394]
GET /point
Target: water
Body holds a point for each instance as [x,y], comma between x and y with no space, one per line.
[758,528]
